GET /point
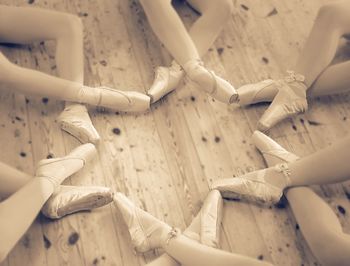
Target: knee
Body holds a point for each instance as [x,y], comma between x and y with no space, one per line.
[71,26]
[221,10]
[333,14]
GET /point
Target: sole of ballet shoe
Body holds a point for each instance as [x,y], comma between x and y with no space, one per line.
[211,217]
[272,152]
[76,199]
[246,198]
[86,203]
[248,94]
[73,121]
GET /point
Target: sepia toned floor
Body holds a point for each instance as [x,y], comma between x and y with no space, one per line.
[164,160]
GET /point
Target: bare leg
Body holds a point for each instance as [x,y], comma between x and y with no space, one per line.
[318,223]
[19,210]
[29,201]
[207,27]
[25,25]
[170,30]
[189,252]
[320,227]
[11,180]
[327,166]
[331,23]
[203,33]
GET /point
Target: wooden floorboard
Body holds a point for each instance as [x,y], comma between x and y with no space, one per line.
[166,159]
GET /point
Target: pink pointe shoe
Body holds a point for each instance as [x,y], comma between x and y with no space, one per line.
[72,199]
[125,101]
[58,169]
[290,100]
[263,91]
[253,187]
[145,230]
[75,120]
[218,88]
[272,152]
[166,80]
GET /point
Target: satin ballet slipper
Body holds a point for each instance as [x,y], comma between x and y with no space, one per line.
[166,80]
[253,187]
[125,101]
[58,169]
[290,100]
[263,91]
[145,230]
[272,152]
[218,88]
[71,199]
[210,218]
[75,120]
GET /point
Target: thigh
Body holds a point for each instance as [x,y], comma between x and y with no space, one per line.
[27,24]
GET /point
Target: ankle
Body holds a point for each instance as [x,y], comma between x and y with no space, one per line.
[276,177]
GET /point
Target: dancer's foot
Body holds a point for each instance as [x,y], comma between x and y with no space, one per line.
[290,100]
[211,216]
[75,120]
[126,101]
[146,231]
[263,91]
[264,187]
[207,80]
[58,169]
[166,80]
[272,152]
[71,199]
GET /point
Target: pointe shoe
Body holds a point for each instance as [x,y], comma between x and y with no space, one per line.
[58,169]
[263,91]
[219,88]
[210,218]
[253,187]
[166,80]
[126,101]
[287,102]
[272,152]
[75,120]
[71,199]
[146,231]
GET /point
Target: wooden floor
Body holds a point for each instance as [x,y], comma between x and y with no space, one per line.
[164,160]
